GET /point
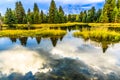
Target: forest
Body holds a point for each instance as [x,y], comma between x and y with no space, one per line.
[57,15]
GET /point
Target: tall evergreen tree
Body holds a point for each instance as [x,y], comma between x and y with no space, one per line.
[9,17]
[84,16]
[91,15]
[53,13]
[35,9]
[20,13]
[69,17]
[118,9]
[61,15]
[108,10]
[97,15]
[81,16]
[41,17]
[36,14]
[115,15]
[104,17]
[29,16]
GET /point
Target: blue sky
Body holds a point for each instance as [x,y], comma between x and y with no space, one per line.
[44,4]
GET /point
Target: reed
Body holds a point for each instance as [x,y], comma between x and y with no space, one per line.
[99,35]
[32,33]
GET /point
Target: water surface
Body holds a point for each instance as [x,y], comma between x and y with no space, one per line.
[67,57]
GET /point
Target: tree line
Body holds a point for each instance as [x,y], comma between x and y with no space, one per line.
[36,16]
[109,13]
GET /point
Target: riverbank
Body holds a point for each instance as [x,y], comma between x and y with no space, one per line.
[36,26]
[99,35]
[31,33]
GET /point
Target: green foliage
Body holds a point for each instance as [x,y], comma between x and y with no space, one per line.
[0,16]
[115,15]
[61,15]
[9,17]
[108,10]
[97,15]
[99,34]
[118,16]
[29,16]
[53,13]
[91,15]
[41,17]
[84,17]
[20,13]
[36,17]
[109,13]
[69,17]
[35,9]
[77,18]
[118,4]
[104,18]
[32,33]
[81,16]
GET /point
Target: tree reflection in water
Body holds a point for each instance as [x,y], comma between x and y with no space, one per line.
[23,40]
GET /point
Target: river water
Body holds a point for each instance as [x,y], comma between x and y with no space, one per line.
[58,58]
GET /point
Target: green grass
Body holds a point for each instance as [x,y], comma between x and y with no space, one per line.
[31,33]
[99,35]
[24,26]
[104,24]
[46,25]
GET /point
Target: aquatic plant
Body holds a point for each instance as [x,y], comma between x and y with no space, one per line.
[32,33]
[99,35]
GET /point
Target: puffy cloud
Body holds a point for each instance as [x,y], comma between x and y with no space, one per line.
[58,1]
[44,4]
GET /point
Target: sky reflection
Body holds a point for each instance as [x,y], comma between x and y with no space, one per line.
[43,55]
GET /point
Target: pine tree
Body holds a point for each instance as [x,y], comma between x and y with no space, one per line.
[41,17]
[36,14]
[20,13]
[61,15]
[104,18]
[69,17]
[97,15]
[29,16]
[53,13]
[84,16]
[118,16]
[81,16]
[91,15]
[9,17]
[108,10]
[115,15]
[35,9]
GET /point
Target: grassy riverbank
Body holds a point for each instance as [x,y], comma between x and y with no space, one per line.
[104,24]
[34,26]
[99,35]
[32,33]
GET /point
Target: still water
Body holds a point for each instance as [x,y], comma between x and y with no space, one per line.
[58,58]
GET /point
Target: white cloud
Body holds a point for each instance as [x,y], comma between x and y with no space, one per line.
[58,1]
[81,1]
[29,3]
